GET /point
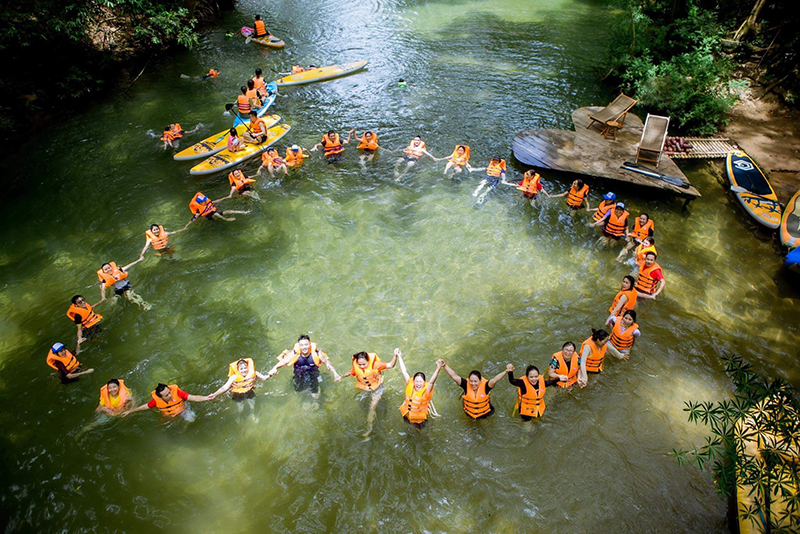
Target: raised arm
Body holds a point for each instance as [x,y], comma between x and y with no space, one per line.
[393,361]
[439,364]
[403,367]
[452,374]
[496,379]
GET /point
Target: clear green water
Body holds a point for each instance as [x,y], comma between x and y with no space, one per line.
[364,263]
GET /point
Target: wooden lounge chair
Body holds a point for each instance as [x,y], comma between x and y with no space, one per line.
[654,135]
[612,117]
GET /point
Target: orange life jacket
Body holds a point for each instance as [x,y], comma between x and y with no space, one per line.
[415,407]
[68,359]
[244,104]
[604,206]
[571,372]
[369,144]
[641,250]
[261,28]
[212,73]
[294,158]
[629,304]
[644,282]
[239,180]
[575,198]
[160,241]
[315,353]
[257,127]
[331,146]
[297,69]
[476,403]
[623,340]
[460,160]
[496,169]
[258,84]
[594,363]
[530,184]
[639,231]
[172,408]
[271,156]
[416,151]
[368,379]
[616,225]
[252,94]
[202,209]
[531,403]
[242,383]
[88,317]
[122,397]
[109,279]
[175,132]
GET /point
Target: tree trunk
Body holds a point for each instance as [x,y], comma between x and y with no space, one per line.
[750,22]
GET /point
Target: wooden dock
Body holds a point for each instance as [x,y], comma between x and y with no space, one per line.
[706,148]
[585,152]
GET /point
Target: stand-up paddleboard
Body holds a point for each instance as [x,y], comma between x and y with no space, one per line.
[227,159]
[219,141]
[270,40]
[321,74]
[754,191]
[790,222]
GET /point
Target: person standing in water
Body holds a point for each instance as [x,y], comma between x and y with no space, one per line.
[85,318]
[332,146]
[564,366]
[295,155]
[608,203]
[531,185]
[530,391]
[240,184]
[171,402]
[615,224]
[577,196]
[367,369]
[241,382]
[110,275]
[624,300]
[593,352]
[625,332]
[65,363]
[476,392]
[643,228]
[411,155]
[158,238]
[418,404]
[651,280]
[306,359]
[115,398]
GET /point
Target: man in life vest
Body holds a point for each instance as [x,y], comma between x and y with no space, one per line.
[418,404]
[65,363]
[564,366]
[256,133]
[608,202]
[202,206]
[331,145]
[615,224]
[624,332]
[87,321]
[367,144]
[158,238]
[173,132]
[531,185]
[593,352]
[476,388]
[367,369]
[171,402]
[651,280]
[411,155]
[212,73]
[457,160]
[643,228]
[241,382]
[495,174]
[296,155]
[240,185]
[577,196]
[115,398]
[530,391]
[624,300]
[273,162]
[260,28]
[306,359]
[110,275]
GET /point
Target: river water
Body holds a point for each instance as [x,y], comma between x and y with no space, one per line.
[362,262]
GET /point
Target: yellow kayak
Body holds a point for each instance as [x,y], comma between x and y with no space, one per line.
[270,40]
[227,159]
[219,141]
[321,74]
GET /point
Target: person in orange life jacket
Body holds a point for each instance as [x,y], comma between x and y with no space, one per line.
[260,29]
[256,133]
[115,398]
[85,318]
[411,155]
[643,228]
[615,225]
[173,132]
[607,204]
[306,359]
[592,354]
[418,404]
[253,95]
[212,73]
[651,280]
[624,332]
[332,146]
[297,69]
[495,174]
[110,275]
[367,369]
[260,84]
[526,403]
[577,195]
[367,144]
[201,206]
[171,402]
[273,162]
[65,363]
[531,185]
[158,238]
[242,375]
[295,155]
[240,184]
[457,160]
[564,366]
[624,300]
[476,392]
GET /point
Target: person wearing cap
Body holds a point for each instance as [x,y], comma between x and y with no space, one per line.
[295,155]
[65,363]
[202,206]
[615,224]
[608,202]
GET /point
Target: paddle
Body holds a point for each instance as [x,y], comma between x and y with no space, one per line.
[738,189]
[672,180]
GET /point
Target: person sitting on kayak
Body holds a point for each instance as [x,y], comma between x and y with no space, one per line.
[256,134]
[411,155]
[260,84]
[297,69]
[273,162]
[260,28]
[173,132]
[235,142]
[252,95]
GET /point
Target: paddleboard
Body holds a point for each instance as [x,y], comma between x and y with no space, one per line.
[790,222]
[270,40]
[321,74]
[759,200]
[219,141]
[226,159]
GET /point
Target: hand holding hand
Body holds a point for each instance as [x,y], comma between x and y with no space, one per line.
[397,353]
[510,368]
[337,378]
[582,383]
[440,363]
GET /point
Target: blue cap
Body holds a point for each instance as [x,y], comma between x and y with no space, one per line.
[201,198]
[620,205]
[610,196]
[57,347]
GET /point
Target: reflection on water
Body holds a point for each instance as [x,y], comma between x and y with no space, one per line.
[362,262]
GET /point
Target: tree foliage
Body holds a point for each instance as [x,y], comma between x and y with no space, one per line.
[754,445]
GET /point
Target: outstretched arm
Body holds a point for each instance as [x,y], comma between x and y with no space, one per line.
[284,359]
[403,368]
[134,410]
[199,398]
[329,365]
[146,246]
[439,364]
[616,353]
[452,374]
[131,264]
[497,378]
[224,388]
[390,365]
